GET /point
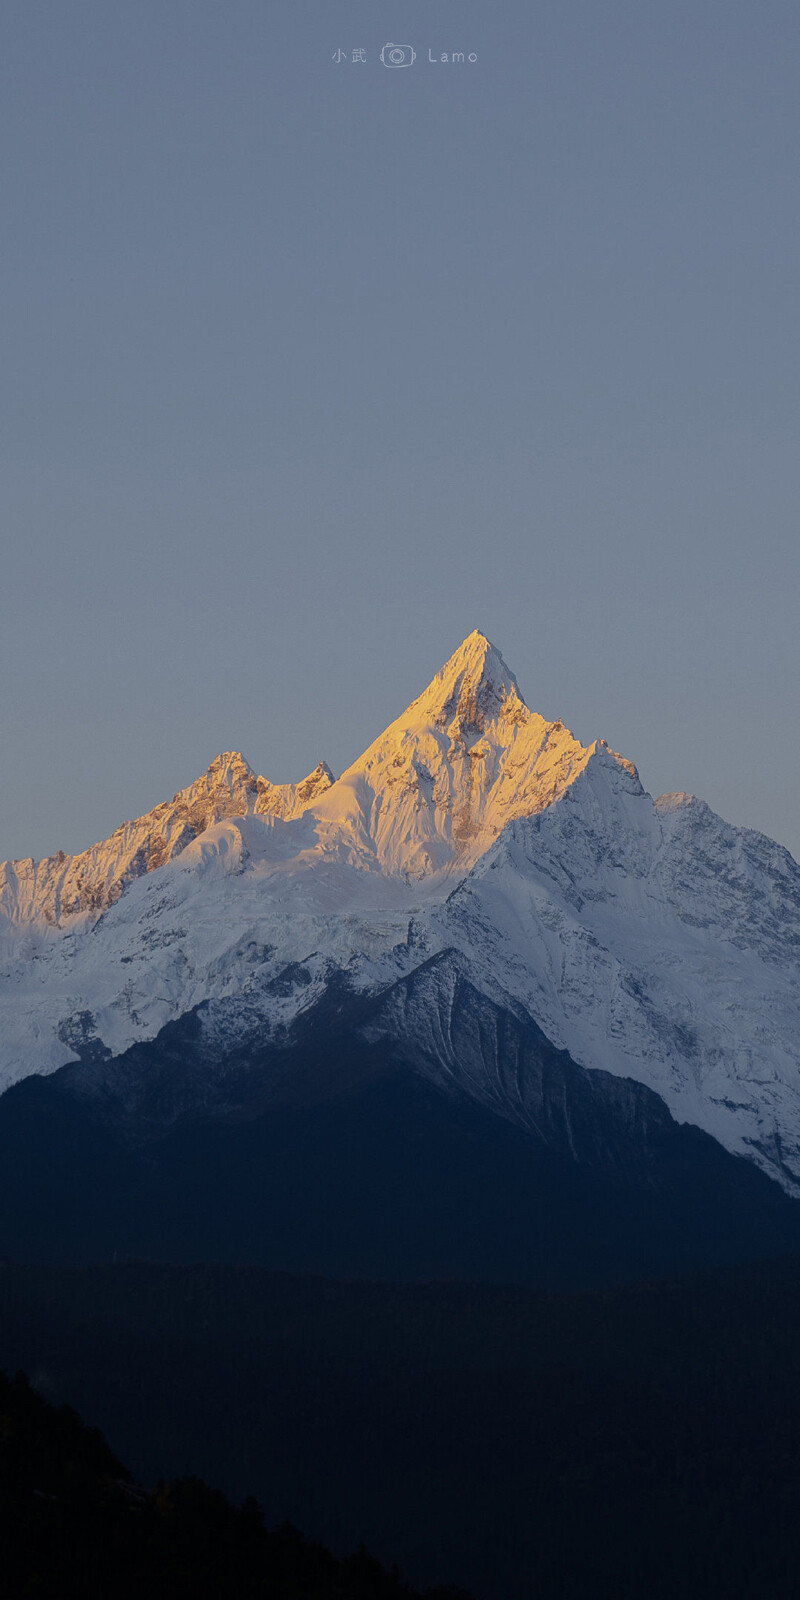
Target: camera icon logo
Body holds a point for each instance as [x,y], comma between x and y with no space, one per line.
[398,55]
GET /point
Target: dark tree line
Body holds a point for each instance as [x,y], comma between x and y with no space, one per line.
[74,1526]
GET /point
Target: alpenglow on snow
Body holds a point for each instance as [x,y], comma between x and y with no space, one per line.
[647,938]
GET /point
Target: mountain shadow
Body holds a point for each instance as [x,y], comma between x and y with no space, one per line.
[365,1147]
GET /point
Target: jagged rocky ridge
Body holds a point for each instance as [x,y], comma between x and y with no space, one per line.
[649,940]
[62,888]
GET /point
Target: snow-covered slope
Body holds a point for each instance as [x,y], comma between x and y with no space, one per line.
[649,939]
[62,888]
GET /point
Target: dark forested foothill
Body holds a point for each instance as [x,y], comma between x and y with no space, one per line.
[639,1443]
[75,1527]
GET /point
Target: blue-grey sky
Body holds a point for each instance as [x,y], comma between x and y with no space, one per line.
[310,367]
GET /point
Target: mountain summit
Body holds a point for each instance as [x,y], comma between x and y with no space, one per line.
[437,786]
[472,684]
[474,848]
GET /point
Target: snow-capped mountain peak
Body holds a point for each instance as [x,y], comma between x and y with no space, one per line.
[430,794]
[651,940]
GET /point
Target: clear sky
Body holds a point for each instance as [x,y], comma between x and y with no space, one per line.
[309,367]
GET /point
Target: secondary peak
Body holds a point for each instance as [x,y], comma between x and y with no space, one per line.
[315,784]
[230,766]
